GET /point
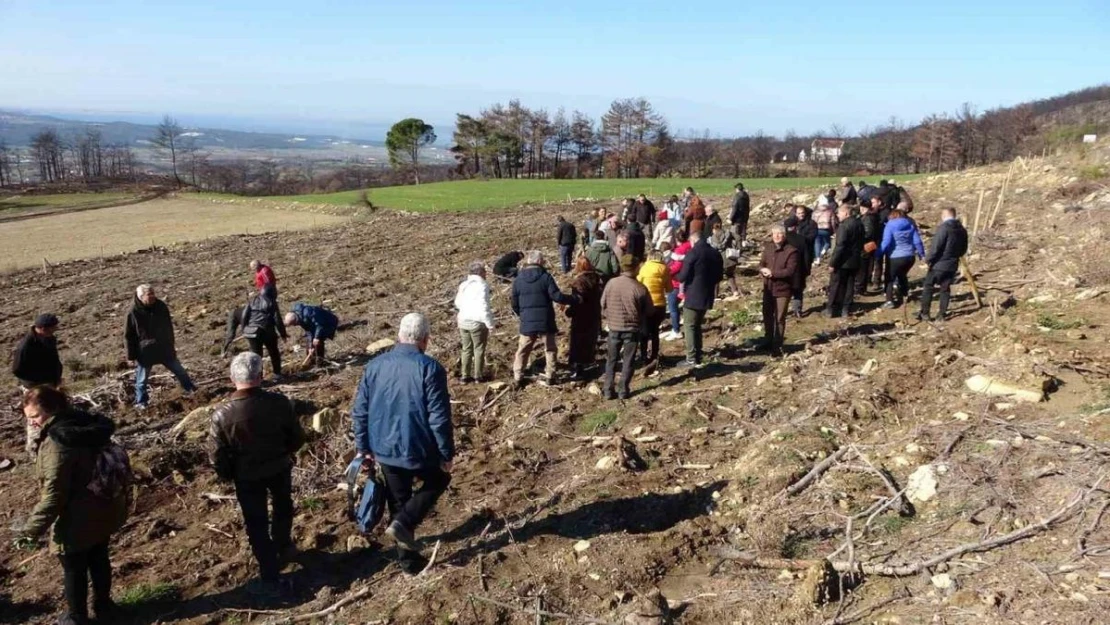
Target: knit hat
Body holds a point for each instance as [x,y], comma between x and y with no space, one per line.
[46,320]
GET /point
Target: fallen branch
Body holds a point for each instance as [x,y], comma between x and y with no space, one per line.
[1081,546]
[696,389]
[431,560]
[695,467]
[817,471]
[861,613]
[349,599]
[538,612]
[213,528]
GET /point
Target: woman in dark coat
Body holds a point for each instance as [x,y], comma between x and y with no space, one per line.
[585,317]
[801,232]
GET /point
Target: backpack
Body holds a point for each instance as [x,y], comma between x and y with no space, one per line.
[371,506]
[112,475]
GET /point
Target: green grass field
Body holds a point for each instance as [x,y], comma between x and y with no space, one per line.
[469,195]
[60,201]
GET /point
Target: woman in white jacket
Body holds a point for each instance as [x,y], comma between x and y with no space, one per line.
[475,322]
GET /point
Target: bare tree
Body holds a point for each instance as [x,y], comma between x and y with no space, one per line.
[168,138]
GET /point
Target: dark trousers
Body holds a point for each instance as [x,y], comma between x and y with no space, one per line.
[692,321]
[863,274]
[798,294]
[405,506]
[622,345]
[879,265]
[267,536]
[77,568]
[269,340]
[897,278]
[774,319]
[566,256]
[655,317]
[935,277]
[841,290]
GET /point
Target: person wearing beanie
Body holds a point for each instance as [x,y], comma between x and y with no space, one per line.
[35,362]
[625,308]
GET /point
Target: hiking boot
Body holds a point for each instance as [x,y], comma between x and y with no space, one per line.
[403,538]
[105,610]
[411,562]
[608,395]
[889,305]
[688,364]
[518,384]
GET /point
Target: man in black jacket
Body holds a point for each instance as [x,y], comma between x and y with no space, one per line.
[252,441]
[35,360]
[262,323]
[568,238]
[872,233]
[844,261]
[741,212]
[505,267]
[643,212]
[534,296]
[702,270]
[949,245]
[150,341]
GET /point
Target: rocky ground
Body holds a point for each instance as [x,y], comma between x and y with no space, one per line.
[862,448]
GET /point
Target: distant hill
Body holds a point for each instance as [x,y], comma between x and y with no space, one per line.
[17,129]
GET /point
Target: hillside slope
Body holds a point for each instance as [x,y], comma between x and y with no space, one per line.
[722,522]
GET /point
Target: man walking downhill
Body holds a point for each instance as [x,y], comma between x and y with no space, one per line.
[741,212]
[948,247]
[262,324]
[702,269]
[625,308]
[533,299]
[475,321]
[319,325]
[778,266]
[567,239]
[252,441]
[402,420]
[150,341]
[35,362]
[844,262]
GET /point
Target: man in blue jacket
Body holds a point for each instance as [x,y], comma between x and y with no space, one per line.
[319,325]
[533,299]
[702,270]
[402,420]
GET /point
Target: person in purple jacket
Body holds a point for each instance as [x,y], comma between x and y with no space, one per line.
[901,246]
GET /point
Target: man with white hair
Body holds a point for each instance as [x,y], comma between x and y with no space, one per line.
[401,418]
[475,321]
[252,441]
[150,341]
[848,193]
[778,266]
[319,325]
[533,298]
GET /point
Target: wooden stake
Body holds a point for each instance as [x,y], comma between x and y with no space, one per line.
[965,269]
[979,209]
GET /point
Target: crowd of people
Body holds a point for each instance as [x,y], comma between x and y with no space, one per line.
[632,273]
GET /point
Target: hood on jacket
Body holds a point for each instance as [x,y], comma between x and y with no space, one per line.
[531,273]
[77,428]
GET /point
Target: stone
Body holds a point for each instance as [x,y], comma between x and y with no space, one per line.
[961,416]
[497,386]
[942,581]
[195,424]
[1041,299]
[356,542]
[869,366]
[1087,294]
[605,463]
[593,389]
[581,546]
[988,386]
[922,484]
[326,420]
[380,346]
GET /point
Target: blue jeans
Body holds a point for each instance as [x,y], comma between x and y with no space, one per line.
[822,243]
[672,308]
[142,373]
[566,253]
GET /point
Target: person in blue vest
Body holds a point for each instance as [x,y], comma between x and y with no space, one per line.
[319,325]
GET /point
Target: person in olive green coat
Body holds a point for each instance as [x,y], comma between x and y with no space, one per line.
[84,506]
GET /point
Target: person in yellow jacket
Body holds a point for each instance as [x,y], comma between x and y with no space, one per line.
[655,276]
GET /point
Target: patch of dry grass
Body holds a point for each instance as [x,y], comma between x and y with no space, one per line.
[119,229]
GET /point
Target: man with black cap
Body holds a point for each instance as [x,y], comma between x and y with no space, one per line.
[35,362]
[741,212]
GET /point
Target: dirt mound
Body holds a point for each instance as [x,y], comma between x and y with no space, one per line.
[856,479]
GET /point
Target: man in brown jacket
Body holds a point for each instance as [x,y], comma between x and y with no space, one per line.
[252,441]
[625,307]
[778,266]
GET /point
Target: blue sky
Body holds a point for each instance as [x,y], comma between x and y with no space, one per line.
[730,67]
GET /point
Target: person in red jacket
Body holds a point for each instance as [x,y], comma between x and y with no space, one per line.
[263,276]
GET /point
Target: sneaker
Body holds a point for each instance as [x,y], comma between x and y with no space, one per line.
[609,395]
[105,610]
[889,305]
[402,537]
[411,562]
[543,380]
[141,407]
[688,364]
